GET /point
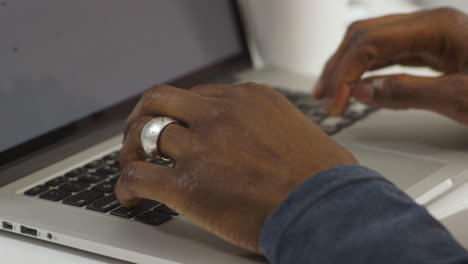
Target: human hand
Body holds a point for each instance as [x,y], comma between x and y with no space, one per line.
[242,150]
[435,38]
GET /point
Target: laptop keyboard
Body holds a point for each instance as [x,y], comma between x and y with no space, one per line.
[315,110]
[92,187]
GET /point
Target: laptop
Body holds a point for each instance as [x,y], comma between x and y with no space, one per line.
[72,72]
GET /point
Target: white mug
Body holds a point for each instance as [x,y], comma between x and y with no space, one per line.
[297,35]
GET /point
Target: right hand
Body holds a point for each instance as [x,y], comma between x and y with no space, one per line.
[243,148]
[435,38]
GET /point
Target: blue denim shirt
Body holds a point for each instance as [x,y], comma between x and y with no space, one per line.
[351,214]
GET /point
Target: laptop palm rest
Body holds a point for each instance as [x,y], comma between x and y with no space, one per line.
[405,170]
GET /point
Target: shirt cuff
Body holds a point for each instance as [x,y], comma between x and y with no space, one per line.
[306,197]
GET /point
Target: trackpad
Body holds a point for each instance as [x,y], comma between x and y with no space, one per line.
[403,169]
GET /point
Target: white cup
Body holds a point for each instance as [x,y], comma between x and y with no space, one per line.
[297,35]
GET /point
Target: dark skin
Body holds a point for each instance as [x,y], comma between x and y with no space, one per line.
[432,38]
[241,149]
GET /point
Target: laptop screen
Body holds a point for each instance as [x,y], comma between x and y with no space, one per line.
[62,60]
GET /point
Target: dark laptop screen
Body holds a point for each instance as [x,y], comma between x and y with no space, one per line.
[62,60]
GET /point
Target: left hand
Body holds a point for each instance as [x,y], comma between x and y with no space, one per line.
[432,38]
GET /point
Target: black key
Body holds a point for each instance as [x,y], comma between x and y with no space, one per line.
[74,186]
[76,172]
[355,114]
[104,205]
[131,212]
[95,164]
[108,170]
[83,198]
[92,177]
[330,130]
[114,179]
[161,162]
[55,195]
[317,116]
[112,156]
[36,190]
[346,122]
[304,108]
[153,218]
[115,163]
[163,208]
[105,187]
[56,181]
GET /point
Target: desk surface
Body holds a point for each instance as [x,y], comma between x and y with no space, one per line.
[29,250]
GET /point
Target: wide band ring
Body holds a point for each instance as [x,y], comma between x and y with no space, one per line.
[151,133]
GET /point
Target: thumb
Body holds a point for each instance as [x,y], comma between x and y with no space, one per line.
[406,91]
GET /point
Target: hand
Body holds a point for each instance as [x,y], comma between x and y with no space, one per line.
[435,38]
[242,150]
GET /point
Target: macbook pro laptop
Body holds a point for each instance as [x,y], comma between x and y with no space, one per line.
[71,72]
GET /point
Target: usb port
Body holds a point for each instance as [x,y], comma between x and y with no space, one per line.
[28,231]
[7,225]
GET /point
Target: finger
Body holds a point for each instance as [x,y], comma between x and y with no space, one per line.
[131,149]
[143,180]
[406,91]
[353,30]
[175,142]
[163,100]
[374,47]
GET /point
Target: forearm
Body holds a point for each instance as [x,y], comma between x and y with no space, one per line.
[350,214]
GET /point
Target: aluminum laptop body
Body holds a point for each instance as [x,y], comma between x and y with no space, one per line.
[421,152]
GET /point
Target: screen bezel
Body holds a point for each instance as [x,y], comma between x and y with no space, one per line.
[12,155]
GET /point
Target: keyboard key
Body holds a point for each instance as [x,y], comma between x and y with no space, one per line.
[168,163]
[83,198]
[112,156]
[55,195]
[92,177]
[318,116]
[131,212]
[95,164]
[104,205]
[56,181]
[153,218]
[114,179]
[76,172]
[105,187]
[346,122]
[115,163]
[36,190]
[74,186]
[108,170]
[163,208]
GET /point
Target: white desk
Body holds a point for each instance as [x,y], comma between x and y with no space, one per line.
[17,249]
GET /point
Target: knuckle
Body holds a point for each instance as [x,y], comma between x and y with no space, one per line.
[154,92]
[354,27]
[448,12]
[393,89]
[457,93]
[248,88]
[136,125]
[219,110]
[360,38]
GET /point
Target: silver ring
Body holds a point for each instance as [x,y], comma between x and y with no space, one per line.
[151,133]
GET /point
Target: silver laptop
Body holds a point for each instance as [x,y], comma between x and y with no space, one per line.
[71,73]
